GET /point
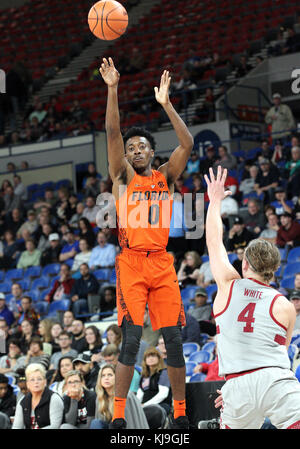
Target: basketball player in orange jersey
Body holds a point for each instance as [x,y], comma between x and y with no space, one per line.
[254,329]
[145,271]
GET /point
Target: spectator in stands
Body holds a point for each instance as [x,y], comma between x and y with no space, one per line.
[35,353]
[281,203]
[110,354]
[237,263]
[57,380]
[46,406]
[74,221]
[68,319]
[62,207]
[271,229]
[210,159]
[254,218]
[136,62]
[13,360]
[148,335]
[211,369]
[83,256]
[111,236]
[5,312]
[105,389]
[238,236]
[191,331]
[247,185]
[114,335]
[243,68]
[193,165]
[266,180]
[289,231]
[186,273]
[155,390]
[44,240]
[86,231]
[108,300]
[79,402]
[78,336]
[4,328]
[91,210]
[10,251]
[292,44]
[44,329]
[64,341]
[202,310]
[14,220]
[30,225]
[85,285]
[206,112]
[281,118]
[204,275]
[39,112]
[293,166]
[88,369]
[49,201]
[31,257]
[19,188]
[7,402]
[225,159]
[62,287]
[180,187]
[56,330]
[27,312]
[103,255]
[295,299]
[15,300]
[27,332]
[51,254]
[94,341]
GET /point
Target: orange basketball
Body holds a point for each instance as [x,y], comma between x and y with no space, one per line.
[108,20]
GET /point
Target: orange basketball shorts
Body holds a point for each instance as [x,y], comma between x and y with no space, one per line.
[148,278]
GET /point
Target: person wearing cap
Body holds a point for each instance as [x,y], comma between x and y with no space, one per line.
[31,257]
[281,203]
[239,236]
[30,225]
[5,312]
[7,402]
[51,254]
[295,299]
[267,179]
[280,117]
[193,164]
[209,160]
[289,231]
[70,249]
[202,310]
[88,369]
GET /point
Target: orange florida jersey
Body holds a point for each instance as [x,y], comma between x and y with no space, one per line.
[144,211]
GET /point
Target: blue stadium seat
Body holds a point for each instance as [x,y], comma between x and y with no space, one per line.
[25,284]
[43,282]
[205,258]
[15,273]
[189,368]
[297,372]
[291,269]
[51,269]
[296,340]
[47,185]
[288,282]
[198,377]
[52,282]
[1,275]
[32,272]
[113,276]
[44,293]
[292,353]
[209,346]
[62,304]
[189,292]
[34,295]
[189,348]
[200,357]
[294,255]
[5,287]
[102,274]
[210,289]
[62,183]
[283,254]
[42,308]
[203,338]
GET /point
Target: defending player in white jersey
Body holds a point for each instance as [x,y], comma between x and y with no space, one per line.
[254,327]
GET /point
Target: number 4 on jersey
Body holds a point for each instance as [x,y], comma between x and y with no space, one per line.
[246,316]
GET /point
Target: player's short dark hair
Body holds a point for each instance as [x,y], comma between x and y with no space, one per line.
[139,132]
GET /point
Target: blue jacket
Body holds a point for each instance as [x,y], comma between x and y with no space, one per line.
[82,288]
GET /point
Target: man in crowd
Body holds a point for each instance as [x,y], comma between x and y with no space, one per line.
[64,341]
[70,249]
[51,254]
[90,210]
[79,342]
[103,255]
[289,231]
[85,285]
[88,369]
[295,299]
[266,180]
[8,402]
[238,236]
[280,117]
[5,312]
[254,218]
[62,287]
[68,319]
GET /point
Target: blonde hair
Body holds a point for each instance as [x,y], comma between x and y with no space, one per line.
[106,402]
[33,367]
[195,256]
[160,365]
[263,258]
[47,323]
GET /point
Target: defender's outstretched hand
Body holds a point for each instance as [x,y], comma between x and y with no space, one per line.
[109,73]
[162,93]
[215,186]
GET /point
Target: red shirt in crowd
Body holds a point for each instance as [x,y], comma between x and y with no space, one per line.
[211,370]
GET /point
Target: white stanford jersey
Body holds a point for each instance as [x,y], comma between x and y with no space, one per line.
[248,335]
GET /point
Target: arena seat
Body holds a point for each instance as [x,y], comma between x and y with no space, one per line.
[291,269]
[209,346]
[198,377]
[200,357]
[288,282]
[55,306]
[294,256]
[42,308]
[189,368]
[189,348]
[297,372]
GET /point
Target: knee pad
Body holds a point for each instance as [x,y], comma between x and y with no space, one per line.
[131,336]
[173,342]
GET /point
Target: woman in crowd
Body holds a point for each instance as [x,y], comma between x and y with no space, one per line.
[10,251]
[55,331]
[86,232]
[57,382]
[114,335]
[83,256]
[155,391]
[40,408]
[187,271]
[45,333]
[79,402]
[105,389]
[94,340]
[27,332]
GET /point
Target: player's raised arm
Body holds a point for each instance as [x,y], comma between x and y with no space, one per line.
[221,268]
[116,153]
[178,159]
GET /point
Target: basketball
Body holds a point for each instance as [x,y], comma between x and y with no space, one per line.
[108,20]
